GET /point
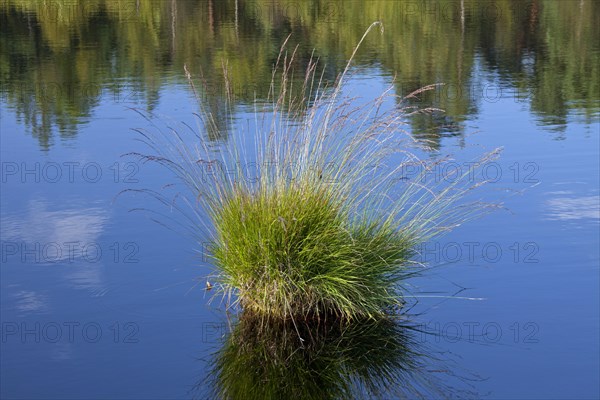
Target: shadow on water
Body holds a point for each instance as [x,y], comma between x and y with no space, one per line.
[385,358]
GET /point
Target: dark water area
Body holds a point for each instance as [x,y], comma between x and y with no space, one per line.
[101,302]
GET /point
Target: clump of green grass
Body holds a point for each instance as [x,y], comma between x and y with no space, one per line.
[295,250]
[330,224]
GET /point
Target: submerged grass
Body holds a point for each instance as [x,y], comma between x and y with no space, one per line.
[330,223]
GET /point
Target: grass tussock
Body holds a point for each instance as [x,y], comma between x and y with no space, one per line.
[330,222]
[295,250]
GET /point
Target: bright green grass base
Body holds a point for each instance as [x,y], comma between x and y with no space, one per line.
[294,251]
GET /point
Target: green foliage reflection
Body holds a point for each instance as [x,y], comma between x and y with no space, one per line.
[59,57]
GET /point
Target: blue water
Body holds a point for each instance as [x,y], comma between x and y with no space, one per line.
[101,302]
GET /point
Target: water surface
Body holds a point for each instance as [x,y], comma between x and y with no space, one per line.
[101,302]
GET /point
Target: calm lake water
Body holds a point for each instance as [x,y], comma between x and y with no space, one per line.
[101,302]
